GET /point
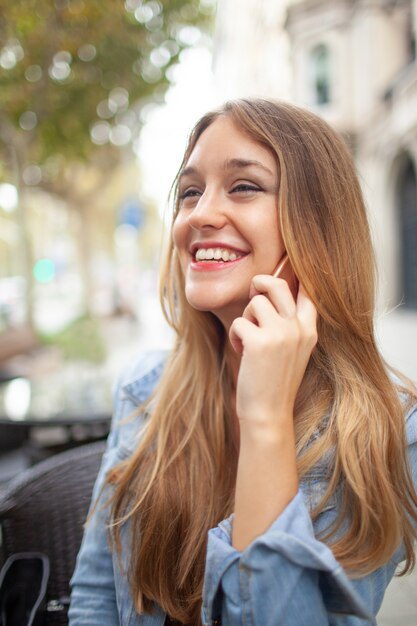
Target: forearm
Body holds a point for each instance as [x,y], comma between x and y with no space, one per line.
[267,479]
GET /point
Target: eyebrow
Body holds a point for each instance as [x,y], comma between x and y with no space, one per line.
[230,164]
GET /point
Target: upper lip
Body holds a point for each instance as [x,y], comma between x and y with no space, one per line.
[214,244]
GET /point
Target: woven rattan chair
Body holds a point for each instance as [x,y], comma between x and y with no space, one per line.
[44,509]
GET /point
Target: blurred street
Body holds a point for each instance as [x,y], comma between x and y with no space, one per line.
[124,337]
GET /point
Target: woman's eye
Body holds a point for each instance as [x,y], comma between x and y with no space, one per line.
[189,193]
[245,188]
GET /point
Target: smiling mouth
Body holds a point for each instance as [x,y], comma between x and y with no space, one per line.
[216,255]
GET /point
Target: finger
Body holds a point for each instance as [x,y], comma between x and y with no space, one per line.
[278,292]
[241,331]
[261,311]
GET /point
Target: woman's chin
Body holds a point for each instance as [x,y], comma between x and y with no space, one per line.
[202,304]
[223,309]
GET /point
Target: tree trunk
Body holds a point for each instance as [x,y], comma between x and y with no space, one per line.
[17,152]
[84,245]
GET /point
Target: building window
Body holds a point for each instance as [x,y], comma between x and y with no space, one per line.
[320,72]
[407,197]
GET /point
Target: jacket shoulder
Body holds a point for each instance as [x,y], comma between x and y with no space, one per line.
[138,380]
[134,385]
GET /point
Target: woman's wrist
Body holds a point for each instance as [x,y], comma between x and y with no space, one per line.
[268,429]
[267,480]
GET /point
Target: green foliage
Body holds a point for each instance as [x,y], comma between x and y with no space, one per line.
[67,64]
[80,341]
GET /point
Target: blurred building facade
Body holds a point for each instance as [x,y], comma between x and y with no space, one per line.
[353,62]
[251,49]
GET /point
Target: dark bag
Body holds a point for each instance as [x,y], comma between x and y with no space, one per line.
[23,583]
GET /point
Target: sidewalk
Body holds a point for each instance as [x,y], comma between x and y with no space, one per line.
[399,607]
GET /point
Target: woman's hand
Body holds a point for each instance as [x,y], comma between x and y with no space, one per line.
[275,337]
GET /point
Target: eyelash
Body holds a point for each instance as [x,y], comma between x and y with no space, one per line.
[188,193]
[246,188]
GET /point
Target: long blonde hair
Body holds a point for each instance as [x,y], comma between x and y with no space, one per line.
[180,481]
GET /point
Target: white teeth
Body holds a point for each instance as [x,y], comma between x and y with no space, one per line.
[217,254]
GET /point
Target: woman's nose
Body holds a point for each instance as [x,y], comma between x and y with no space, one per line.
[208,212]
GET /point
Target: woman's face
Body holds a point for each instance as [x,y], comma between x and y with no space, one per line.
[226,230]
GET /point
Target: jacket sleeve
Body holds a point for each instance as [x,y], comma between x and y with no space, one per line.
[287,576]
[93,598]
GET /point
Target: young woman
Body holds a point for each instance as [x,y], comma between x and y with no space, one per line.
[265,474]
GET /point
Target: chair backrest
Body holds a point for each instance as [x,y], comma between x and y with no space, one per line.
[44,510]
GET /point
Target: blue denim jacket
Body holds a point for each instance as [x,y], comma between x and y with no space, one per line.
[286,577]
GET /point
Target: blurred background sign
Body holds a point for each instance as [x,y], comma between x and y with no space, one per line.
[132,213]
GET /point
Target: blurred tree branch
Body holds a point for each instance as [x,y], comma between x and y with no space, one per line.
[74,78]
[61,60]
